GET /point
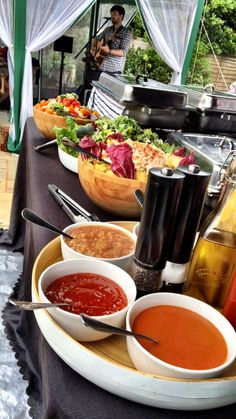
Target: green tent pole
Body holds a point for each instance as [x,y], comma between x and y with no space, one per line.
[19,18]
[192,39]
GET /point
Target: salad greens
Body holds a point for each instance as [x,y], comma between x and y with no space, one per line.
[105,127]
[68,132]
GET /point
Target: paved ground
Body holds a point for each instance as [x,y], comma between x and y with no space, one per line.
[8,163]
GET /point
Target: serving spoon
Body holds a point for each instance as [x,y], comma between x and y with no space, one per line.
[86,320]
[29,215]
[29,305]
[139,197]
[104,327]
[74,146]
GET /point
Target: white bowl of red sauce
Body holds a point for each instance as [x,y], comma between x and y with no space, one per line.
[96,288]
[195,340]
[104,241]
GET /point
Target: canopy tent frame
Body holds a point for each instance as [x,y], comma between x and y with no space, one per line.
[192,40]
[19,28]
[19,22]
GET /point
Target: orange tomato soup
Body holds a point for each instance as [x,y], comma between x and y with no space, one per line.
[185,338]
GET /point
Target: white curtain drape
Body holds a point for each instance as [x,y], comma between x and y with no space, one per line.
[46,20]
[6,35]
[169,24]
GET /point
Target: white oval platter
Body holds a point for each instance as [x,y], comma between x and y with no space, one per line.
[98,362]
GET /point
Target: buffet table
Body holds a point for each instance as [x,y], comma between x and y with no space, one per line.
[54,389]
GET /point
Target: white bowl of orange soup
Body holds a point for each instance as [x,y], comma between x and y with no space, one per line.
[104,241]
[195,340]
[96,288]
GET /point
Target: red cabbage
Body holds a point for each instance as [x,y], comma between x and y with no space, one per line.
[180,152]
[185,161]
[116,136]
[121,160]
[90,145]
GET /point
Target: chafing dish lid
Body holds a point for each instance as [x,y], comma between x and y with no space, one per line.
[208,98]
[140,91]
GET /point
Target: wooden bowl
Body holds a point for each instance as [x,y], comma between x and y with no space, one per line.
[46,122]
[110,192]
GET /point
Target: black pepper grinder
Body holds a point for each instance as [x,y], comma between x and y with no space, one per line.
[160,205]
[185,228]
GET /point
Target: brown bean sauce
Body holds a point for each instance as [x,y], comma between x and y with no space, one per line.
[100,242]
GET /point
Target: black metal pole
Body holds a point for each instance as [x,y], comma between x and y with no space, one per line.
[61,71]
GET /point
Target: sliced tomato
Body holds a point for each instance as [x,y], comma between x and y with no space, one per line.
[73,112]
[66,102]
[76,103]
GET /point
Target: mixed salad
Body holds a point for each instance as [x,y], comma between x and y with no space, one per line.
[129,149]
[66,105]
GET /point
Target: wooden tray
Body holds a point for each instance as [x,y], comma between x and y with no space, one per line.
[106,363]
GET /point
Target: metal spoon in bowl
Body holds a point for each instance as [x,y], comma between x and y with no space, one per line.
[29,215]
[30,305]
[104,327]
[87,320]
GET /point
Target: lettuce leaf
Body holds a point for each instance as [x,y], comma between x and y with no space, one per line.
[68,132]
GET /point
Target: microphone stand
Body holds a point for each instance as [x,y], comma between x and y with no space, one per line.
[90,39]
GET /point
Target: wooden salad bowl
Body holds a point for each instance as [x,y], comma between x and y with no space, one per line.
[112,193]
[45,122]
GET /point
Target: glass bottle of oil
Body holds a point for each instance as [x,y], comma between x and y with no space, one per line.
[214,257]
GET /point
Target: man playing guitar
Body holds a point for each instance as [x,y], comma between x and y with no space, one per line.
[110,46]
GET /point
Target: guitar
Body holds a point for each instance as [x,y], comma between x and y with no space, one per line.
[99,56]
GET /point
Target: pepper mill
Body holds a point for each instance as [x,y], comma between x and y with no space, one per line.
[160,206]
[185,228]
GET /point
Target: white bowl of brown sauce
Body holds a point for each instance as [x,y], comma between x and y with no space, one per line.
[93,287]
[195,341]
[104,241]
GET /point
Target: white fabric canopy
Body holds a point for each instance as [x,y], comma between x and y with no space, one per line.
[169,24]
[6,34]
[46,20]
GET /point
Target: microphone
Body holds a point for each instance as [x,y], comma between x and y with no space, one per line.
[107,18]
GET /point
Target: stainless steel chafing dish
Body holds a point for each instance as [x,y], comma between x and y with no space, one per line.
[212,153]
[210,110]
[208,98]
[151,103]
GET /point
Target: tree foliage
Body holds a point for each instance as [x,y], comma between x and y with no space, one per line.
[220,23]
[199,69]
[147,61]
[138,29]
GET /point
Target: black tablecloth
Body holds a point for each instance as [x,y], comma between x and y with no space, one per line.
[55,390]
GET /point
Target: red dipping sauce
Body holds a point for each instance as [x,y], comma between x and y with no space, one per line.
[92,294]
